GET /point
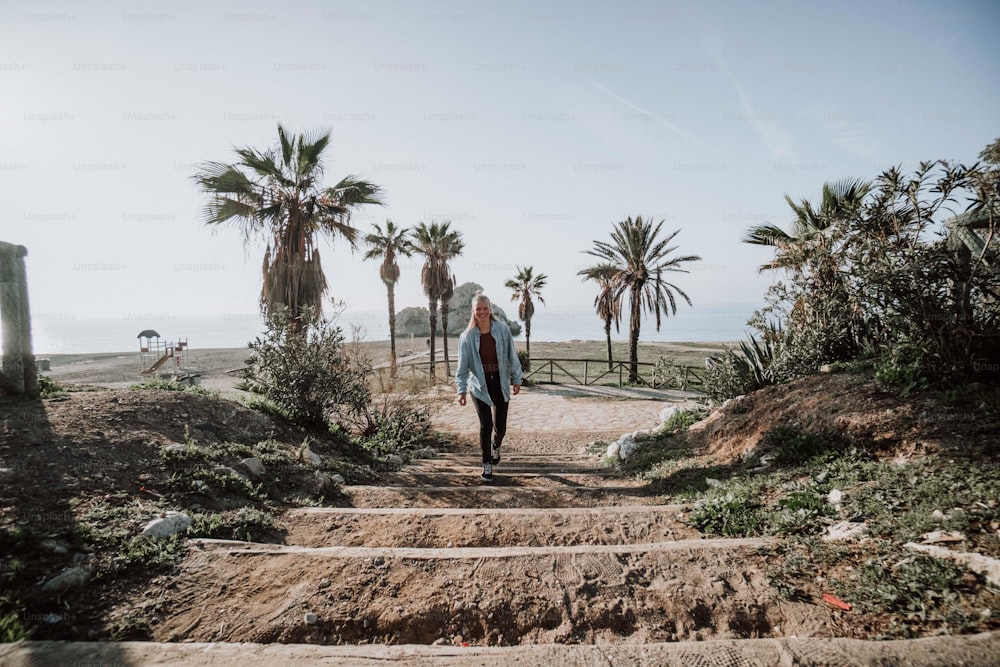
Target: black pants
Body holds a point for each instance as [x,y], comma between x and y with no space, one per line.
[492,420]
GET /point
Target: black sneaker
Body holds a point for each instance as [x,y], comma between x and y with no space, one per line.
[495,454]
[487,472]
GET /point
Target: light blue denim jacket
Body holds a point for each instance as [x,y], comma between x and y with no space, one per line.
[470,375]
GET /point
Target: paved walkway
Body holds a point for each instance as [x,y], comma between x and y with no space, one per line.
[546,408]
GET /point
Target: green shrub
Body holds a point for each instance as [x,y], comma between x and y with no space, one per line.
[305,371]
[47,388]
[11,628]
[734,512]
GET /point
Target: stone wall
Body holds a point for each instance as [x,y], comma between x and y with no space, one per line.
[18,374]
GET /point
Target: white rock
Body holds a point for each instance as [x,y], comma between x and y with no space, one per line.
[613,451]
[173,522]
[71,578]
[942,537]
[668,412]
[626,446]
[176,447]
[713,483]
[255,466]
[835,497]
[845,530]
[338,480]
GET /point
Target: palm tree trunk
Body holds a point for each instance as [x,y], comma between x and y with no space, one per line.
[392,329]
[633,336]
[432,307]
[607,334]
[527,338]
[444,338]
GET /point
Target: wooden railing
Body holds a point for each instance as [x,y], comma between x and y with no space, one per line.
[594,370]
[584,372]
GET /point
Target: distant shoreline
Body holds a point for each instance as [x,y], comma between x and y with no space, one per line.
[216,367]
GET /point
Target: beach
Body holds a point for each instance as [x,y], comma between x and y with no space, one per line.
[218,368]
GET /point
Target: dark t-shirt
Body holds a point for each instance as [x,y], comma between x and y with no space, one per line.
[488,353]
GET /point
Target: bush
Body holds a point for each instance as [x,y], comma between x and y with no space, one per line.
[522,356]
[306,372]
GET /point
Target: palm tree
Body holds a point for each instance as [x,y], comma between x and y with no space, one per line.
[524,286]
[387,246]
[640,260]
[607,308]
[809,253]
[439,244]
[276,193]
[797,251]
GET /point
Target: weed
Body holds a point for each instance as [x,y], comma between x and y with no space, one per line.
[247,524]
[11,628]
[172,385]
[919,588]
[734,512]
[47,388]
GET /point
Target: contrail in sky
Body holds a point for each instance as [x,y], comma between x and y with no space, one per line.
[660,119]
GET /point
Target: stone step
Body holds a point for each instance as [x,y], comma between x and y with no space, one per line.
[502,492]
[451,527]
[504,475]
[609,594]
[980,649]
[240,548]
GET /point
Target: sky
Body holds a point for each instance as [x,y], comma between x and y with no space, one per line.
[532,127]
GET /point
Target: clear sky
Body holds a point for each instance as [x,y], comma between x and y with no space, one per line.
[532,126]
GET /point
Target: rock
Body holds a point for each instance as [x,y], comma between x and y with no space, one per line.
[826,368]
[176,447]
[172,523]
[311,618]
[942,537]
[324,480]
[394,461]
[55,546]
[612,452]
[255,466]
[845,530]
[324,583]
[426,453]
[200,486]
[713,483]
[310,457]
[71,578]
[338,479]
[626,446]
[667,413]
[440,641]
[835,497]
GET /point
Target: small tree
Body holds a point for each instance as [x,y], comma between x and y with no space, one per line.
[524,286]
[387,246]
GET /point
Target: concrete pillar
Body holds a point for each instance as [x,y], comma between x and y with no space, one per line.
[18,374]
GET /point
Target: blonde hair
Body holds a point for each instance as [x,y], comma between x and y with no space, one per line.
[479,297]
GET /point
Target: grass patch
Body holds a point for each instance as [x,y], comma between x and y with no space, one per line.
[172,385]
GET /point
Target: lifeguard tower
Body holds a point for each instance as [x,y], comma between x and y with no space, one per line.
[155,352]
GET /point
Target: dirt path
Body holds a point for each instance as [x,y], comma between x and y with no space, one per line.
[440,568]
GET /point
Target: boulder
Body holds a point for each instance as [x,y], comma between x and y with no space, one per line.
[171,524]
[71,578]
[255,466]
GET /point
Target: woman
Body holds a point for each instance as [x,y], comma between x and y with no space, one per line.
[487,362]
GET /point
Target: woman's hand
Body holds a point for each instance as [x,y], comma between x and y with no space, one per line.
[517,389]
[461,399]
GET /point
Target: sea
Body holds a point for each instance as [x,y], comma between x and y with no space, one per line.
[70,335]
